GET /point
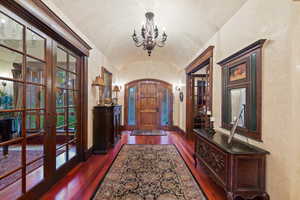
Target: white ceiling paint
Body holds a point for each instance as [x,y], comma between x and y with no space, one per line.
[109,25]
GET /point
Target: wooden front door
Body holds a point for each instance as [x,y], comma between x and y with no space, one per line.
[148,112]
[148,105]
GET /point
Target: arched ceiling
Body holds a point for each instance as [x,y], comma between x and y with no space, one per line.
[109,25]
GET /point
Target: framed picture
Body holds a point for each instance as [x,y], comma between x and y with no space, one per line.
[238,72]
[107,78]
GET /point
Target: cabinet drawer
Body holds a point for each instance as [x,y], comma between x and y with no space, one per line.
[214,159]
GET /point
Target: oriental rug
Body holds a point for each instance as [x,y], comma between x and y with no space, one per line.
[149,172]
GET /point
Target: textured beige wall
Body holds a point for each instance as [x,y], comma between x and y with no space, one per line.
[277,21]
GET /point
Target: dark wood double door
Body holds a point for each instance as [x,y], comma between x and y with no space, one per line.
[41,106]
[148,105]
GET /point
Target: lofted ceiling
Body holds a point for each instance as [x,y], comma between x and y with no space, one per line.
[109,25]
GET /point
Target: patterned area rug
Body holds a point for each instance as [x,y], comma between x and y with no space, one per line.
[149,172]
[148,133]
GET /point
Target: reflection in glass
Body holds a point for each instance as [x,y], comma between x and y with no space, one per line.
[72,116]
[61,78]
[238,100]
[60,118]
[35,122]
[35,71]
[35,150]
[72,150]
[10,159]
[10,126]
[61,97]
[10,64]
[73,98]
[35,45]
[72,63]
[131,106]
[35,97]
[61,59]
[38,174]
[72,81]
[11,33]
[61,156]
[165,108]
[11,94]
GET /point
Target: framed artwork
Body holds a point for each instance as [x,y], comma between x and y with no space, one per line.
[107,91]
[238,72]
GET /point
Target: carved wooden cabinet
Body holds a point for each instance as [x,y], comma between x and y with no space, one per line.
[106,127]
[239,168]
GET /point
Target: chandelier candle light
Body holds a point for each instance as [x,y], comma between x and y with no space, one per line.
[150,35]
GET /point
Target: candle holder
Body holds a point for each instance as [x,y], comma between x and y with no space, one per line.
[210,130]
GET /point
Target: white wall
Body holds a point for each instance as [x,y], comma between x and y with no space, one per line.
[277,21]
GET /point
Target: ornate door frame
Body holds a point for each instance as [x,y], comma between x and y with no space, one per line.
[135,84]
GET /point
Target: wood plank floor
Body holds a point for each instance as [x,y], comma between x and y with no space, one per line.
[83,180]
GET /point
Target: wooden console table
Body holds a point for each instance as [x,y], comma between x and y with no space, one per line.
[239,168]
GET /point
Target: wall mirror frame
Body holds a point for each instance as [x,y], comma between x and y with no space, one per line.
[242,84]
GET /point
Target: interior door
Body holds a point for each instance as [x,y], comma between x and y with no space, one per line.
[149,106]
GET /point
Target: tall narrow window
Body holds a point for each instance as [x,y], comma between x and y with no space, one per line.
[131,107]
[165,108]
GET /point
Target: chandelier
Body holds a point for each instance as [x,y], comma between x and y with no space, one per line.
[150,35]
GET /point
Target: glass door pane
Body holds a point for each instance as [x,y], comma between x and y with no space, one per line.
[67,95]
[22,107]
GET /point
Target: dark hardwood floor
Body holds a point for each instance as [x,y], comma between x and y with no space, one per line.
[83,180]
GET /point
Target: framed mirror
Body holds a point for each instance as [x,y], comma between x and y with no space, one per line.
[237,104]
[241,90]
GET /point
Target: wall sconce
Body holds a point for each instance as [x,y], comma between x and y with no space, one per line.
[177,88]
[116,90]
[99,82]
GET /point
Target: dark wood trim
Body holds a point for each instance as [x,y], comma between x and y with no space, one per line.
[254,87]
[256,45]
[179,130]
[35,16]
[88,153]
[204,59]
[204,56]
[39,14]
[84,106]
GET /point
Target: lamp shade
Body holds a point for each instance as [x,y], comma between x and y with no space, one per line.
[116,89]
[99,81]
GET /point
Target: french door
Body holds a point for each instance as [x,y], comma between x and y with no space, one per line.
[40,114]
[67,93]
[148,105]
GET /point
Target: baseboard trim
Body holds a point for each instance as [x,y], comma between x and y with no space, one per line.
[178,129]
[88,153]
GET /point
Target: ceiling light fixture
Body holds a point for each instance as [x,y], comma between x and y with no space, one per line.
[150,35]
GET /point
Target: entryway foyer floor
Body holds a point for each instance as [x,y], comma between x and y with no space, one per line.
[82,181]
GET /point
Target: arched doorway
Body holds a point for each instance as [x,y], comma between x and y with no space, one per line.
[148,105]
